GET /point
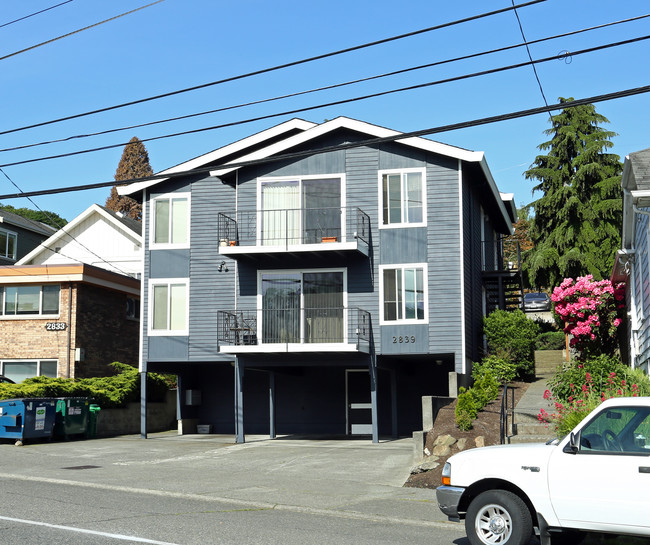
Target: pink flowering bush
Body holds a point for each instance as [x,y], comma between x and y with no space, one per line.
[584,398]
[591,311]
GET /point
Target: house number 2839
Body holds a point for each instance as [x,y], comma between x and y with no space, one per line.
[403,339]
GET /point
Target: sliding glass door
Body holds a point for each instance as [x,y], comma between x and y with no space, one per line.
[301,211]
[302,307]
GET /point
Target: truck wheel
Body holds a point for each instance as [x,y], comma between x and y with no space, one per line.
[498,517]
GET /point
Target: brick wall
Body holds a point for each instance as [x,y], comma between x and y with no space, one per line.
[97,323]
[103,331]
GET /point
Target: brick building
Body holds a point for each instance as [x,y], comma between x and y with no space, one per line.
[66,320]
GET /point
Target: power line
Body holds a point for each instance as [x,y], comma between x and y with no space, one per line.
[76,32]
[328,87]
[539,83]
[35,13]
[61,228]
[274,68]
[329,104]
[370,142]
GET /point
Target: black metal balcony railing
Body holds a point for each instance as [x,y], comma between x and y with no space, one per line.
[293,326]
[501,255]
[295,226]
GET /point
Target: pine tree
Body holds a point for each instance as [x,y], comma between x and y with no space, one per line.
[133,164]
[577,222]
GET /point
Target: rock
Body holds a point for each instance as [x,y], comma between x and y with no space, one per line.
[460,445]
[441,450]
[480,441]
[427,465]
[447,440]
[427,452]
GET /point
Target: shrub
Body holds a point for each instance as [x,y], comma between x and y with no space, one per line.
[598,371]
[502,370]
[592,312]
[472,400]
[108,392]
[586,396]
[511,336]
[466,410]
[551,340]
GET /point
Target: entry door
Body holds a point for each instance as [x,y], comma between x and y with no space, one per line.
[359,415]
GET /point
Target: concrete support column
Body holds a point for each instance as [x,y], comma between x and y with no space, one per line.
[143,404]
[393,401]
[373,401]
[239,402]
[272,405]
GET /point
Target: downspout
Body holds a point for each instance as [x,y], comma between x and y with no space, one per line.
[463,346]
[69,329]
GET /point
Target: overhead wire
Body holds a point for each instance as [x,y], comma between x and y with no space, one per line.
[329,104]
[77,31]
[530,56]
[328,87]
[274,68]
[33,14]
[369,142]
[60,228]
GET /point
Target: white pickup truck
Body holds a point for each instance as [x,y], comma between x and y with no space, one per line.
[596,479]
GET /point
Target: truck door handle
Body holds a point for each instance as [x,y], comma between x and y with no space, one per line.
[644,469]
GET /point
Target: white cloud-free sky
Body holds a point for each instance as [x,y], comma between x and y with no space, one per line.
[183,43]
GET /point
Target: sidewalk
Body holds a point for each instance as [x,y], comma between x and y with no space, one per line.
[339,477]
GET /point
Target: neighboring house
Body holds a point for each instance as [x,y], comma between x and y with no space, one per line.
[324,286]
[19,236]
[98,236]
[66,320]
[632,260]
[71,306]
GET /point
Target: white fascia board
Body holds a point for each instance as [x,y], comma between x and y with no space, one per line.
[214,155]
[92,209]
[495,192]
[373,131]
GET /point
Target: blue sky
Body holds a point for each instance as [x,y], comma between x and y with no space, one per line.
[182,43]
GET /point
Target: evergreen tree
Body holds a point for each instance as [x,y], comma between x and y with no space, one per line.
[133,164]
[576,228]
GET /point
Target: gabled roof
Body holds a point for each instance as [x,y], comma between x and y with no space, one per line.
[130,227]
[10,218]
[635,182]
[235,149]
[312,131]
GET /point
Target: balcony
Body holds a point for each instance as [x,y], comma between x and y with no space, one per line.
[294,330]
[502,278]
[294,230]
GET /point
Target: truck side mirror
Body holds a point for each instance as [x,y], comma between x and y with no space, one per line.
[573,446]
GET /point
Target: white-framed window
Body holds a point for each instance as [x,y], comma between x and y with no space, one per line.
[30,300]
[168,306]
[170,220]
[8,244]
[19,370]
[404,297]
[301,209]
[403,197]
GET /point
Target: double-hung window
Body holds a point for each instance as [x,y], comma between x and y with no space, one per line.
[168,304]
[34,300]
[8,243]
[402,197]
[170,220]
[404,293]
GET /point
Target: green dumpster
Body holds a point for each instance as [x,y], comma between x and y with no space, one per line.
[92,422]
[72,416]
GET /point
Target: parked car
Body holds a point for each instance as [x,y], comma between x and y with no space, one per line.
[537,301]
[593,480]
